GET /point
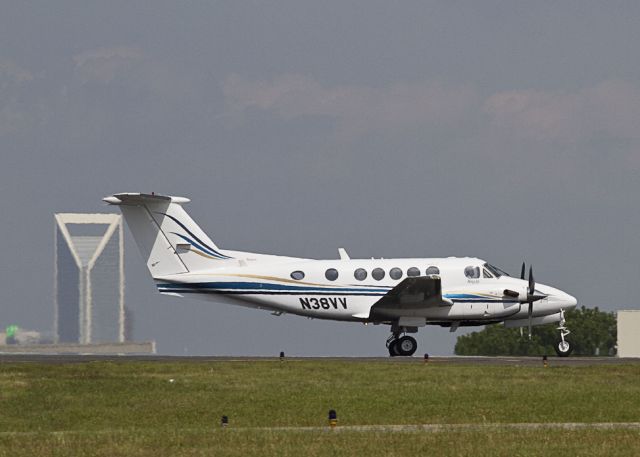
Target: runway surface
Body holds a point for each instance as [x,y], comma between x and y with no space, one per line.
[435,360]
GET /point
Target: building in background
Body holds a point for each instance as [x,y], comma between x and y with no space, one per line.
[89,279]
[629,333]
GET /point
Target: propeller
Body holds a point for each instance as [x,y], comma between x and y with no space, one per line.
[531,295]
[530,291]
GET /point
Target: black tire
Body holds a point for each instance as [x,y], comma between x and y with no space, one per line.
[406,346]
[393,348]
[564,350]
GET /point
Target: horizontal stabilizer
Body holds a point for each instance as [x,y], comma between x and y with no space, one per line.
[129,198]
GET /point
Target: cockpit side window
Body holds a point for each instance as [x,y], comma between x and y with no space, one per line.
[497,272]
[486,274]
[472,272]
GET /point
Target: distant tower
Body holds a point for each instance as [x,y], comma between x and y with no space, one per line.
[89,278]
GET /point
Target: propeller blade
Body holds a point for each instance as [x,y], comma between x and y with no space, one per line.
[532,282]
[531,297]
[522,271]
[530,317]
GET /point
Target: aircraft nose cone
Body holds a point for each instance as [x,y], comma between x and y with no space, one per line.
[568,301]
[558,299]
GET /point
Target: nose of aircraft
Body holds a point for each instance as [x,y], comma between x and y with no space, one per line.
[557,298]
[562,300]
[567,300]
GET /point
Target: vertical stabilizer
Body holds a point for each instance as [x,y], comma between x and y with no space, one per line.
[170,241]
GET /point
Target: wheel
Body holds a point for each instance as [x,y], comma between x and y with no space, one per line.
[564,348]
[406,346]
[393,348]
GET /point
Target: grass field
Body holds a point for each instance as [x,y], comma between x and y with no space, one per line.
[133,408]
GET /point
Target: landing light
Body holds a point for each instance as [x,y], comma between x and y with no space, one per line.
[333,418]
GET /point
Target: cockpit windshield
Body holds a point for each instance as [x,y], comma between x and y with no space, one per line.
[495,270]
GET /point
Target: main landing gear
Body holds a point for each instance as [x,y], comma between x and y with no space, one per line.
[401,345]
[563,347]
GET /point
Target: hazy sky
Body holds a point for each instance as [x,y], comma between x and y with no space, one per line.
[508,131]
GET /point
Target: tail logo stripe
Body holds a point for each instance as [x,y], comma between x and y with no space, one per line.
[197,246]
[202,243]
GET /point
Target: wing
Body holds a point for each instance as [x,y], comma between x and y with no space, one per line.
[410,298]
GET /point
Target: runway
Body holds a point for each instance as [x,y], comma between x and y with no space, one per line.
[433,360]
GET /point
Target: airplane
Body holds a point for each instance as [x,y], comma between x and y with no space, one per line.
[406,294]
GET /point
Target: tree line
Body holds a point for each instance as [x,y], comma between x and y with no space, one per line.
[593,332]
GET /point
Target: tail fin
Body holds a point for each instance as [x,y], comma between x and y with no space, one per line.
[170,241]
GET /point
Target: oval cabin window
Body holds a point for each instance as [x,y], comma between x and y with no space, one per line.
[298,275]
[360,274]
[331,274]
[433,270]
[377,273]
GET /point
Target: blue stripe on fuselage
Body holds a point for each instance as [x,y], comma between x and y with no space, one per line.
[262,286]
[250,288]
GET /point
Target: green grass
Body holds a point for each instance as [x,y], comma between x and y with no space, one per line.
[131,408]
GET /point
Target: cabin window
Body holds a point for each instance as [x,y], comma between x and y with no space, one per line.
[472,272]
[360,274]
[395,273]
[297,275]
[331,274]
[432,270]
[377,273]
[413,271]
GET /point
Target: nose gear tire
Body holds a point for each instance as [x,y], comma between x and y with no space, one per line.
[563,348]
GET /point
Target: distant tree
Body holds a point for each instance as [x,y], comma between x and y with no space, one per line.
[593,332]
[10,334]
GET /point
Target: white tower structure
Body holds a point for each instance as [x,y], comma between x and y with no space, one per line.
[89,278]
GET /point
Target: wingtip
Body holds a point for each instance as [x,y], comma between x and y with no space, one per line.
[112,200]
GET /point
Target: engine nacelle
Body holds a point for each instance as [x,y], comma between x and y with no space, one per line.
[519,293]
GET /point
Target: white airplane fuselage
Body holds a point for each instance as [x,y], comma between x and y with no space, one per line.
[266,283]
[404,293]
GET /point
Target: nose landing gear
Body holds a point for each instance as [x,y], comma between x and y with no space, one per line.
[401,346]
[563,347]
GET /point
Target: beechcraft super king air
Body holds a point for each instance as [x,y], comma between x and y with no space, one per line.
[404,293]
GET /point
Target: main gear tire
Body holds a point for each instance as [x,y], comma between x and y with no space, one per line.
[393,348]
[406,346]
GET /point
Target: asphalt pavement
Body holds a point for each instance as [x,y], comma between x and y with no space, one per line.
[435,360]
